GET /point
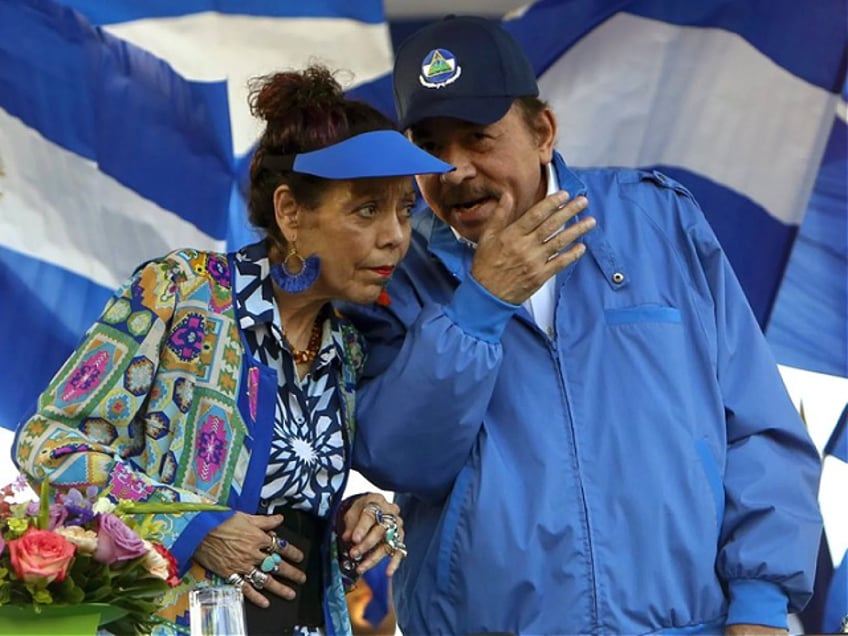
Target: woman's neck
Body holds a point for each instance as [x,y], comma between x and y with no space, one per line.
[297,316]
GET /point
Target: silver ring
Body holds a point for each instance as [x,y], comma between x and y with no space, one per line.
[394,544]
[376,511]
[257,579]
[235,580]
[389,523]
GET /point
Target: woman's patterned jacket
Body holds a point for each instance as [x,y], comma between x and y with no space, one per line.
[162,401]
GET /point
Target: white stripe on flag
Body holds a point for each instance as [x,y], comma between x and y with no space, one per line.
[641,92]
[211,46]
[58,207]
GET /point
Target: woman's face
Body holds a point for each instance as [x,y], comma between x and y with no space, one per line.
[360,231]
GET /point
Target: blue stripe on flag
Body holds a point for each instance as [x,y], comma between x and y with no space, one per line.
[748,229]
[757,244]
[808,328]
[44,314]
[99,97]
[115,11]
[806,38]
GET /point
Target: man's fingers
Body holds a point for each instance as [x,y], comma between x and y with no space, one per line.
[567,236]
[535,215]
[559,217]
[500,215]
[563,259]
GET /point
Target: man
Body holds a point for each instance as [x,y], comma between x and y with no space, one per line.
[570,394]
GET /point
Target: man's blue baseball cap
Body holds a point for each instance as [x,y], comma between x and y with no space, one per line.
[379,153]
[464,67]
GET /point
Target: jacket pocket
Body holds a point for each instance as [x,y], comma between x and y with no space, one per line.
[449,525]
[642,313]
[714,479]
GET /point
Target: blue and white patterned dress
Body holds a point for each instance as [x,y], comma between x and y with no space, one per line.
[306,466]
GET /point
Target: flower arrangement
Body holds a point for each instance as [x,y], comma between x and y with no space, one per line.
[84,549]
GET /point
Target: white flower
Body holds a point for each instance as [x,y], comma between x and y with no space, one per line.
[103,505]
[84,540]
[154,562]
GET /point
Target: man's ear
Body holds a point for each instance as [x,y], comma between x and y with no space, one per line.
[545,127]
[286,212]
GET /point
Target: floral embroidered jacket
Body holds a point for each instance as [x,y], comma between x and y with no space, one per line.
[162,401]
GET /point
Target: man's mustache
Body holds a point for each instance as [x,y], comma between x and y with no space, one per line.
[460,195]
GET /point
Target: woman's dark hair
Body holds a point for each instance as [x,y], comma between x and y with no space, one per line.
[303,110]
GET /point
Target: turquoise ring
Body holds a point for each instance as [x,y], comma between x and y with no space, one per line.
[269,563]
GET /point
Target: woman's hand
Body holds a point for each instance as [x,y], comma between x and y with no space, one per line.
[364,533]
[240,544]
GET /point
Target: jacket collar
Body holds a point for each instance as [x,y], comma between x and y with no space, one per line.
[457,255]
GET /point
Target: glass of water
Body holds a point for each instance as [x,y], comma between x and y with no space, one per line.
[217,611]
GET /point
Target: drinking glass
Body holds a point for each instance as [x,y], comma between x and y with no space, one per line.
[217,611]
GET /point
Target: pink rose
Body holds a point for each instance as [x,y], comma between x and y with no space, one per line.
[41,555]
[116,541]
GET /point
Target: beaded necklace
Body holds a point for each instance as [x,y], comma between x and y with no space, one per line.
[306,356]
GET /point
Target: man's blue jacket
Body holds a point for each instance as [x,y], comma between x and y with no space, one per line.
[644,470]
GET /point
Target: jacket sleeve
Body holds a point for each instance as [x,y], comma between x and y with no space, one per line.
[91,425]
[428,380]
[772,525]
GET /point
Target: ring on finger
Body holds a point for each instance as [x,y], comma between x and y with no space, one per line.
[269,563]
[279,545]
[393,540]
[257,579]
[390,525]
[378,513]
[235,580]
[273,538]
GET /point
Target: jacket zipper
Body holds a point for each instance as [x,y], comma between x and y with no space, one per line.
[551,342]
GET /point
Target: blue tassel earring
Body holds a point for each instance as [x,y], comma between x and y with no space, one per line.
[296,281]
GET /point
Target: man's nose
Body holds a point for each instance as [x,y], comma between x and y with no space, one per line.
[463,169]
[455,155]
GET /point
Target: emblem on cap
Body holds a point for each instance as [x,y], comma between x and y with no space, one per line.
[438,69]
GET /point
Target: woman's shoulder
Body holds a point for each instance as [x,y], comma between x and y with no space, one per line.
[192,266]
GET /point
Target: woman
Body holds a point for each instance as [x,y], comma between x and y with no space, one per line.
[229,378]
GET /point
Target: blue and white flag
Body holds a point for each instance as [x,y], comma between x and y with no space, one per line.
[123,129]
[734,98]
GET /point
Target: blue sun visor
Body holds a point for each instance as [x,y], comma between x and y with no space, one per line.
[379,153]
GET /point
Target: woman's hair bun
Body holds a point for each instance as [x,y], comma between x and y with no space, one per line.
[284,93]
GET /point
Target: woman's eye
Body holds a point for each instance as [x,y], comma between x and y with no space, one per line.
[367,211]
